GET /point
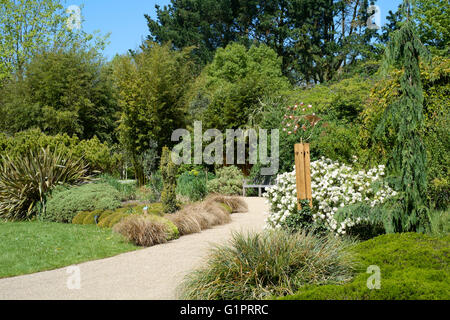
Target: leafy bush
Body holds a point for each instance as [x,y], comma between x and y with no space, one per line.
[334,186]
[192,184]
[142,231]
[147,194]
[228,181]
[25,180]
[63,206]
[300,220]
[96,154]
[413,266]
[257,266]
[127,190]
[168,173]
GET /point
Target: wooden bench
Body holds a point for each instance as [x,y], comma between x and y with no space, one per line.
[260,185]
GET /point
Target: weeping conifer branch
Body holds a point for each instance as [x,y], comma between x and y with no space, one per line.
[404,117]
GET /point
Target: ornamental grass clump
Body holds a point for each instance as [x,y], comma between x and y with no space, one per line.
[142,231]
[25,180]
[274,263]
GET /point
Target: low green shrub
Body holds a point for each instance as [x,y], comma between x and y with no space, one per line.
[192,184]
[63,206]
[147,194]
[258,266]
[228,181]
[413,267]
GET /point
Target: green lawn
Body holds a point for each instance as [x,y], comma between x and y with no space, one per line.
[28,247]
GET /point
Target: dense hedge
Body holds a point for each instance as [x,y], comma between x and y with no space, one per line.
[64,205]
[413,266]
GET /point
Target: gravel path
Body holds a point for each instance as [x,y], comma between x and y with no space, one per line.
[153,273]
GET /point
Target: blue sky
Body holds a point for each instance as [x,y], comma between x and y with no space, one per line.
[125,19]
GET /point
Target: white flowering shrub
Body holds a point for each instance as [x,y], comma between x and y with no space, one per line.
[334,185]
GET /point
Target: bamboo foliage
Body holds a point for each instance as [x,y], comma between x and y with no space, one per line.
[25,180]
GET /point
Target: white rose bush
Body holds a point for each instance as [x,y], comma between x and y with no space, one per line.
[334,186]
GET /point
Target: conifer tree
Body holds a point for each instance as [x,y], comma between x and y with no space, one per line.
[168,172]
[404,117]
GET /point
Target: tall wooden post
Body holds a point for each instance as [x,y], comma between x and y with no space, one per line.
[303,173]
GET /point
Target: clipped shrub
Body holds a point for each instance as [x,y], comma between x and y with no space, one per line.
[115,218]
[228,181]
[142,231]
[90,218]
[79,218]
[25,181]
[63,206]
[105,220]
[257,266]
[168,173]
[413,267]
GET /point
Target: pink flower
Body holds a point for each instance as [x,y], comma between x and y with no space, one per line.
[310,106]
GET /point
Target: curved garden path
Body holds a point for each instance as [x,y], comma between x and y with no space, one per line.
[153,273]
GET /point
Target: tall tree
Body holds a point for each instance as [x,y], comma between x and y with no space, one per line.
[231,87]
[313,37]
[393,23]
[64,90]
[151,86]
[433,21]
[405,117]
[27,26]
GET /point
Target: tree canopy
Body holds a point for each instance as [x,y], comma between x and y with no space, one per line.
[312,46]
